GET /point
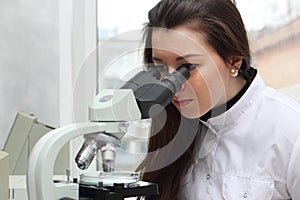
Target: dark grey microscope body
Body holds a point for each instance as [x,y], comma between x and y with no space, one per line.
[152,92]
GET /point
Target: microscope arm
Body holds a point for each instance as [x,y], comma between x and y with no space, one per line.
[40,170]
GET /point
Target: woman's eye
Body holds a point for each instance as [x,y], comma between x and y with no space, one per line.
[163,69]
[190,66]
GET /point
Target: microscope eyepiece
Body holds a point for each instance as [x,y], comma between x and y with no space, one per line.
[152,93]
[175,80]
[154,70]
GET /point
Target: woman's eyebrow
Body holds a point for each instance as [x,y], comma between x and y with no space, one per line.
[157,59]
[187,56]
[178,58]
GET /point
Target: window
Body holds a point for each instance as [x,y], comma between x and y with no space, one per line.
[119,39]
[274,32]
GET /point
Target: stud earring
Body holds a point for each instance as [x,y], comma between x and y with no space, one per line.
[234,72]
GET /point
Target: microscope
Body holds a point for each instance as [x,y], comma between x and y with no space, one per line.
[144,96]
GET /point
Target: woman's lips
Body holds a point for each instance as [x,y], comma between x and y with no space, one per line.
[181,103]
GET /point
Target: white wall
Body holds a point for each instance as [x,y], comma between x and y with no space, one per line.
[29,62]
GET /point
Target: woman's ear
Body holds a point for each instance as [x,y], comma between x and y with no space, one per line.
[236,61]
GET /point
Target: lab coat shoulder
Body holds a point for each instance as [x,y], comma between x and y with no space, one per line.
[282,117]
[285,114]
[282,110]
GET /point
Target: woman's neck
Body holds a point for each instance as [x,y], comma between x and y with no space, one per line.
[236,95]
[234,88]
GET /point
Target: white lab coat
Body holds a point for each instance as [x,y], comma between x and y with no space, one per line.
[251,152]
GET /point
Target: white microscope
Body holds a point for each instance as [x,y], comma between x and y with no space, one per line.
[143,96]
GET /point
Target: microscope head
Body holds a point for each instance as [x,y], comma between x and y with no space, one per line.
[153,92]
[145,95]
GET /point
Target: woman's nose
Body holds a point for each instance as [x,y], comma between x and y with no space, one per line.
[171,70]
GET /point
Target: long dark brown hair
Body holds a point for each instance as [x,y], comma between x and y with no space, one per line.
[220,22]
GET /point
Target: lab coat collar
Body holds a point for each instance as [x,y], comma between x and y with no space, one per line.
[215,126]
[230,118]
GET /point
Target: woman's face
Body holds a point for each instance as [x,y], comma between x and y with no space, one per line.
[209,84]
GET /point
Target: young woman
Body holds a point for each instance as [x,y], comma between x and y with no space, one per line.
[225,135]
